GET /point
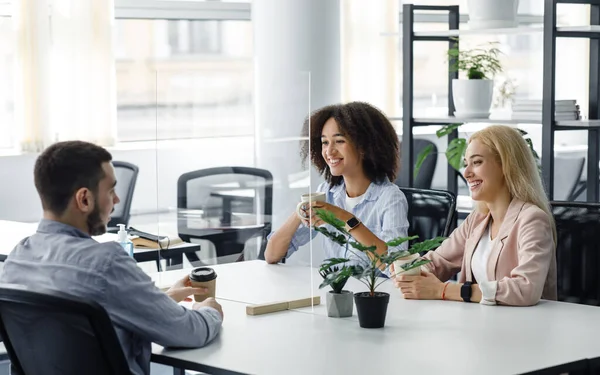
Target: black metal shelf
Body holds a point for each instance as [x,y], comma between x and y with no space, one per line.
[584,2]
[592,125]
[591,31]
[547,120]
[577,125]
[408,122]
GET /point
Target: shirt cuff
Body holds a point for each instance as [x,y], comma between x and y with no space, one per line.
[488,292]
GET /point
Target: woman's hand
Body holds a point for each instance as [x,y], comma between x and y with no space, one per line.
[426,286]
[309,212]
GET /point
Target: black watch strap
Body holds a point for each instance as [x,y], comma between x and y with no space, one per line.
[465,291]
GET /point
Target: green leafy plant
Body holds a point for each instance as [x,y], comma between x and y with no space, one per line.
[338,282]
[477,63]
[367,270]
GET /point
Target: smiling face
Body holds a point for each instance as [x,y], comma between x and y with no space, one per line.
[339,153]
[483,172]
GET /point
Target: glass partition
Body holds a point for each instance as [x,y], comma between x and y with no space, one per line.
[220,193]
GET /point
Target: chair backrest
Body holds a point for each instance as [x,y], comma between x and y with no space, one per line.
[578,251]
[431,213]
[223,197]
[126,174]
[50,333]
[569,170]
[425,176]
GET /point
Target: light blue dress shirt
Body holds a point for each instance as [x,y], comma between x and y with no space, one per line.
[63,258]
[383,209]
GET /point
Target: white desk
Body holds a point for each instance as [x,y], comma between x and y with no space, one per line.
[424,337]
[12,232]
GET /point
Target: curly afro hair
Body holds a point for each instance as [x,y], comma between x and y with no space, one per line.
[367,129]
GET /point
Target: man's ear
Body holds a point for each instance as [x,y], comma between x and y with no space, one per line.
[84,200]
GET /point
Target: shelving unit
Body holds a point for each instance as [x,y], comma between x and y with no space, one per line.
[408,121]
[549,125]
[592,125]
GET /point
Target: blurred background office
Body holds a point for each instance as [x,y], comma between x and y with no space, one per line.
[179,86]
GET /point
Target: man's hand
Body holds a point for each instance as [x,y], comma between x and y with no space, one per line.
[183,289]
[209,302]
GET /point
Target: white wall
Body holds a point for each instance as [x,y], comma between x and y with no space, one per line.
[157,181]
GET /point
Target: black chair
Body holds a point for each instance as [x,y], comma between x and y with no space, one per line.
[431,213]
[226,206]
[126,174]
[425,176]
[578,251]
[50,333]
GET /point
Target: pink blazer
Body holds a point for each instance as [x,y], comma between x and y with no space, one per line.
[523,260]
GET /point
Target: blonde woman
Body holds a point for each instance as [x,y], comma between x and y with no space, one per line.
[505,249]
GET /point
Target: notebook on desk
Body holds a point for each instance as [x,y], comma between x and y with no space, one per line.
[143,240]
[151,241]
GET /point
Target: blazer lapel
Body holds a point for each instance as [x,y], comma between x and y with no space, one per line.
[471,244]
[514,208]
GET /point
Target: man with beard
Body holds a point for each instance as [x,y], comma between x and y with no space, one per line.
[76,183]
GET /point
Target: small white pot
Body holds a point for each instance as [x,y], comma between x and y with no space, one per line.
[492,14]
[472,97]
[399,262]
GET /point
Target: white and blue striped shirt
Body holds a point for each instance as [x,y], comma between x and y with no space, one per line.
[383,209]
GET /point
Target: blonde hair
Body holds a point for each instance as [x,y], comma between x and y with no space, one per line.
[518,166]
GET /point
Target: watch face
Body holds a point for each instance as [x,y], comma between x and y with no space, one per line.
[352,222]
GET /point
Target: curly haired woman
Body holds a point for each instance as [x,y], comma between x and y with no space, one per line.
[355,148]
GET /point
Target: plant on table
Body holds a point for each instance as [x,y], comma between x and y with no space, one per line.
[339,301]
[371,305]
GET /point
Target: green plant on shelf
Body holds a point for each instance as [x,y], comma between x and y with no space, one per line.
[476,63]
[367,270]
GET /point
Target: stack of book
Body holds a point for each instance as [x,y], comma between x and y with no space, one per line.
[531,109]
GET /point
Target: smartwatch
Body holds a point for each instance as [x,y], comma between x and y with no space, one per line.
[465,291]
[352,223]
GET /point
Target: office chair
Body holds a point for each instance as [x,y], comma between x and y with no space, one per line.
[431,213]
[126,174]
[226,206]
[577,251]
[50,333]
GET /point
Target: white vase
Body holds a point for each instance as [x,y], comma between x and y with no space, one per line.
[472,97]
[412,272]
[492,14]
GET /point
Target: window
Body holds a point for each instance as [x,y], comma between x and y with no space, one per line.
[183,79]
[7,136]
[195,37]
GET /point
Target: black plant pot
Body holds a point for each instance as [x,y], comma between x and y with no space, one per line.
[371,309]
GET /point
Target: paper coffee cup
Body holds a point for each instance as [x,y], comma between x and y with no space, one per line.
[309,197]
[204,277]
[408,259]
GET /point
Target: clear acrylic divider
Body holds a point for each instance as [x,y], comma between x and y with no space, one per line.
[227,174]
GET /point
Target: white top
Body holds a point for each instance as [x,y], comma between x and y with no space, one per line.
[479,263]
[353,202]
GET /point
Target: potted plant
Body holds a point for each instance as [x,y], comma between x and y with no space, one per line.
[492,14]
[371,306]
[339,301]
[473,96]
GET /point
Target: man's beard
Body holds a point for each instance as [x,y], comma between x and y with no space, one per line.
[94,222]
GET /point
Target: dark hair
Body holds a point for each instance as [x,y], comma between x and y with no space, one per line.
[367,128]
[65,167]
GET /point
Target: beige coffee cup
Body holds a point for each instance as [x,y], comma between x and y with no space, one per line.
[204,277]
[307,198]
[407,259]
